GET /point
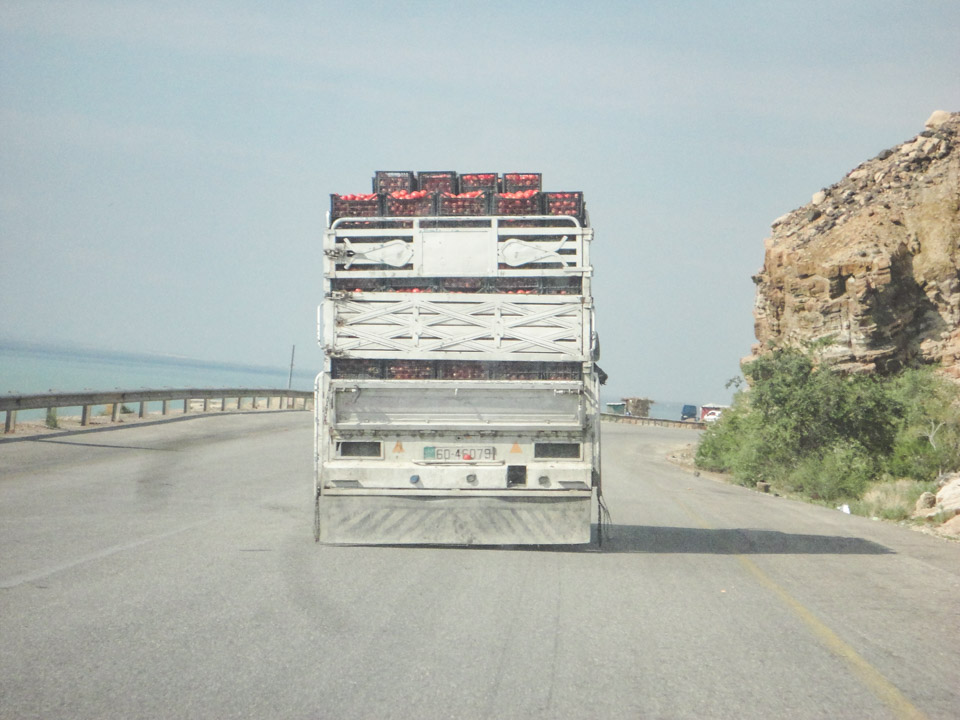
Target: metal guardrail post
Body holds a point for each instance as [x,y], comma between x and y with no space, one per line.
[89,401]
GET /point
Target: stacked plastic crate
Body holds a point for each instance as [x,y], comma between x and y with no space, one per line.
[402,193]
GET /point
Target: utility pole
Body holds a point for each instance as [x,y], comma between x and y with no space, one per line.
[293,351]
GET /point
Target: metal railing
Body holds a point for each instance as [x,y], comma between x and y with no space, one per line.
[655,422]
[87,401]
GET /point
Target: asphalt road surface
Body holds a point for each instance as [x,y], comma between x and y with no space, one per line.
[169,571]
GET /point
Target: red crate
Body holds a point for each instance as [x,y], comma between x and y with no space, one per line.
[521,181]
[444,181]
[386,181]
[517,203]
[563,203]
[363,205]
[403,204]
[476,202]
[479,181]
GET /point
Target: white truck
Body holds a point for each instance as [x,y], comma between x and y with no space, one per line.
[459,397]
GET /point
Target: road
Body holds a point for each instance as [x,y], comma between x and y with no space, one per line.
[169,571]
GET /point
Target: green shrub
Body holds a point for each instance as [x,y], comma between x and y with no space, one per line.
[804,427]
[928,437]
[839,472]
[891,499]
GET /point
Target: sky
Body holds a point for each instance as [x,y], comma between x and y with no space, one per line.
[167,167]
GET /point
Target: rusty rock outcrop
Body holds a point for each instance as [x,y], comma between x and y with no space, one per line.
[871,266]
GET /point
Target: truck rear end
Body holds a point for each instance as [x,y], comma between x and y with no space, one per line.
[458,402]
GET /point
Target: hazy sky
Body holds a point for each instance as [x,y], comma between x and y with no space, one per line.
[166,166]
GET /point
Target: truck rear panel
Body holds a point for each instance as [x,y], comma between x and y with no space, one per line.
[458,403]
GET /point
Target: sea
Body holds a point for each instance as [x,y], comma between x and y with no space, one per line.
[32,367]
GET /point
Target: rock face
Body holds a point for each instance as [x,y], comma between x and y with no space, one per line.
[873,262]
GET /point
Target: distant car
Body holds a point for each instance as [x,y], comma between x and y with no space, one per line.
[688,412]
[712,416]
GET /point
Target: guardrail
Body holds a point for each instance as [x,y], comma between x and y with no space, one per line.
[287,399]
[655,422]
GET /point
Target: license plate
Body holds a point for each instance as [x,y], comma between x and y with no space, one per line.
[460,454]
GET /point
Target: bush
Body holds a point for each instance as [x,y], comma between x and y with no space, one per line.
[927,442]
[806,428]
[839,472]
[892,499]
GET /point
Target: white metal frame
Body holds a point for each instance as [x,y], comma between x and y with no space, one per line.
[355,494]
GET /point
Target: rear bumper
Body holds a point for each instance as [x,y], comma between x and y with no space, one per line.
[520,518]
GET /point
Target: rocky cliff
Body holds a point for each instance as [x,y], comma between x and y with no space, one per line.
[872,264]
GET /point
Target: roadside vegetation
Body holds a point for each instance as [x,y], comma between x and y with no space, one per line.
[874,443]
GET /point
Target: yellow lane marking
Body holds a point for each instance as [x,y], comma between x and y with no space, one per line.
[869,675]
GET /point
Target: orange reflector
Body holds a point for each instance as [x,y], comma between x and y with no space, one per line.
[516,448]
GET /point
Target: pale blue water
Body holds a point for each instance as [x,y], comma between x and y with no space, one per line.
[27,368]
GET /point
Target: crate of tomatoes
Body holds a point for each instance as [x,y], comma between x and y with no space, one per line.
[563,203]
[437,181]
[403,203]
[410,370]
[520,202]
[561,371]
[359,205]
[385,181]
[351,369]
[479,181]
[521,181]
[472,202]
[465,370]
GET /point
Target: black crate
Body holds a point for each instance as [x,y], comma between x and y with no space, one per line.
[464,204]
[502,205]
[515,371]
[563,203]
[462,285]
[521,181]
[561,371]
[479,181]
[443,181]
[352,206]
[409,206]
[463,370]
[410,370]
[352,369]
[518,285]
[387,181]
